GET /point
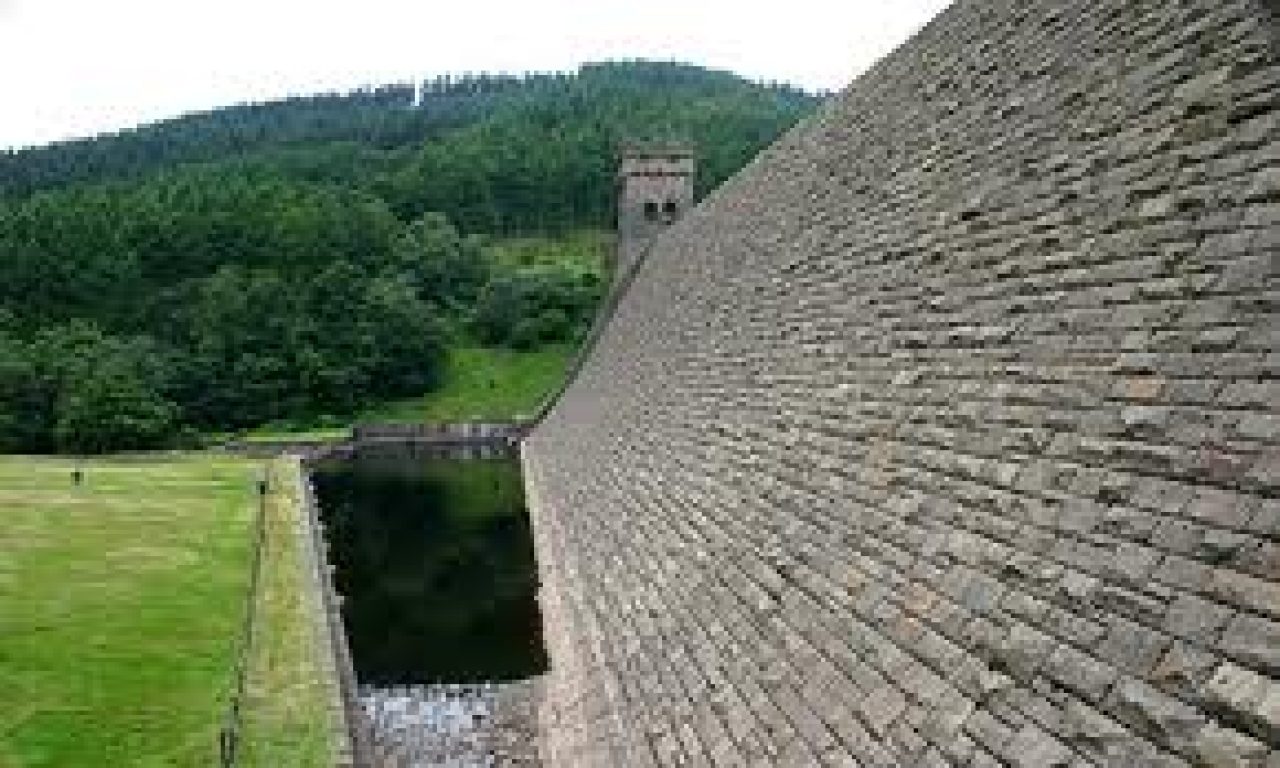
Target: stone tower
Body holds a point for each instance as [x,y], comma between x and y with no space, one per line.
[655,188]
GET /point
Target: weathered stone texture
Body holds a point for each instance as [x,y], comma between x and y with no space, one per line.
[946,433]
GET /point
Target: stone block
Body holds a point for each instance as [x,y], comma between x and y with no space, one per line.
[1147,388]
[1131,564]
[1266,518]
[1097,736]
[1079,515]
[1218,747]
[1195,620]
[881,707]
[1156,715]
[1147,607]
[1132,648]
[1251,394]
[1184,573]
[1021,650]
[1032,747]
[989,732]
[1258,426]
[1266,714]
[1224,509]
[980,593]
[1177,536]
[1079,672]
[1183,669]
[1218,547]
[1264,472]
[1242,695]
[1254,641]
[1245,591]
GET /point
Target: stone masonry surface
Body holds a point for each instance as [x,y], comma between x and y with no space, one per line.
[471,725]
[651,178]
[947,433]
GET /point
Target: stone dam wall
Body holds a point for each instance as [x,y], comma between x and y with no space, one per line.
[948,432]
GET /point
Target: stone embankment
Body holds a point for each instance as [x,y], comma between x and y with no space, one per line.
[476,725]
[467,437]
[948,432]
[461,433]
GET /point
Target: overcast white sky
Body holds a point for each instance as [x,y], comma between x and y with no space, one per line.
[79,67]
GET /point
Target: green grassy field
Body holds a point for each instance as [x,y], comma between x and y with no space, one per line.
[479,383]
[121,603]
[484,383]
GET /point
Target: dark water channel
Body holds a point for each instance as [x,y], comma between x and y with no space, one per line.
[434,559]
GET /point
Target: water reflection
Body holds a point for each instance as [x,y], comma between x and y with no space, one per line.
[434,559]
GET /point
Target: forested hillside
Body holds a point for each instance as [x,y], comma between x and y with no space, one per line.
[319,254]
[492,152]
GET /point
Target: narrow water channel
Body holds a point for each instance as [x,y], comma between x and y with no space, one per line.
[434,559]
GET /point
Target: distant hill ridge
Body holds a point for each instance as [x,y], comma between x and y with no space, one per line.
[370,123]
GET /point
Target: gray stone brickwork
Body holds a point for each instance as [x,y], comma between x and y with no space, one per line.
[948,432]
[467,725]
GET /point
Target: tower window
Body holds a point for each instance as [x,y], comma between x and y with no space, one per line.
[651,210]
[669,211]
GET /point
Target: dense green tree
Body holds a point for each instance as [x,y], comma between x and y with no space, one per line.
[442,265]
[110,408]
[530,306]
[316,254]
[263,347]
[26,401]
[103,252]
[241,332]
[76,389]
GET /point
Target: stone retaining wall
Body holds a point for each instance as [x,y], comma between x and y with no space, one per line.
[948,432]
[471,725]
[350,722]
[461,432]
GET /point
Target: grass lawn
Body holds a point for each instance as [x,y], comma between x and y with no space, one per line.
[485,383]
[120,606]
[479,383]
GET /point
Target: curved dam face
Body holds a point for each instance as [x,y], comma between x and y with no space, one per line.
[948,432]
